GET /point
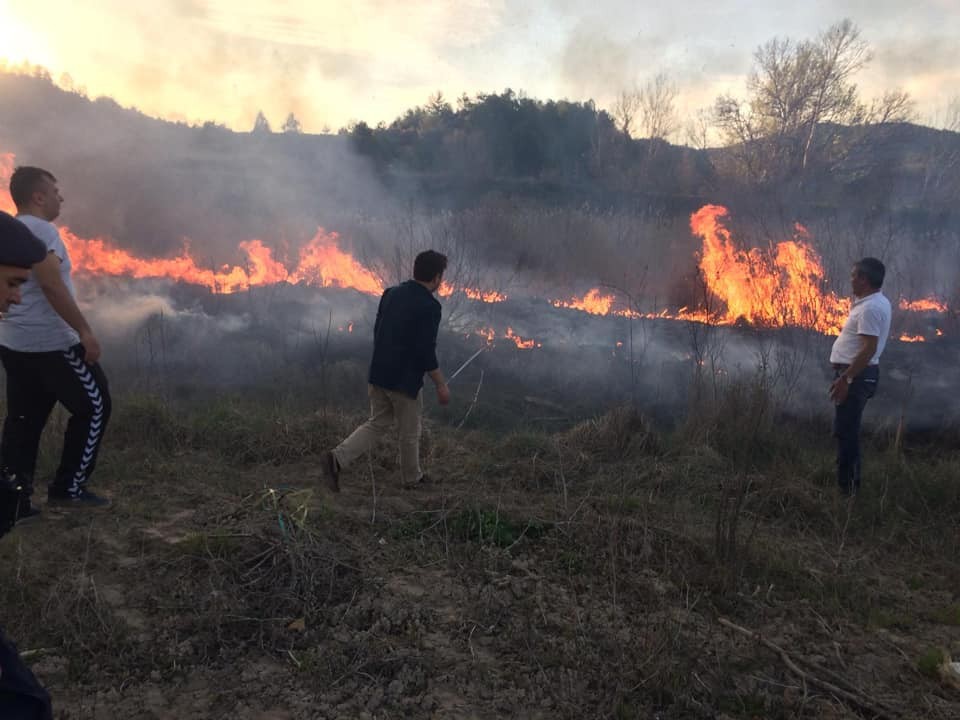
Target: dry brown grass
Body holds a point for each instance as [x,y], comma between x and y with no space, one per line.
[567,575]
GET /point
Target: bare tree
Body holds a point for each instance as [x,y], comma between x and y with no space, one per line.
[941,159]
[697,129]
[625,109]
[895,106]
[648,111]
[801,96]
[657,108]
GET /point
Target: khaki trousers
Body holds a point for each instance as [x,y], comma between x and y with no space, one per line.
[387,408]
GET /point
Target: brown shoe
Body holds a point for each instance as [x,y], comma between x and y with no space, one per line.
[331,472]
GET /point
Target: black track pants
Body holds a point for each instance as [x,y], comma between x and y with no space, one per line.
[35,383]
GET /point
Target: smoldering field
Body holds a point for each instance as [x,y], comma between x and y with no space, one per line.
[182,340]
[553,239]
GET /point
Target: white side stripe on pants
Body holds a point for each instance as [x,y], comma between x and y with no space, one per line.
[96,421]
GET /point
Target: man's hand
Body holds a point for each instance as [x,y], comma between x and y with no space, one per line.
[443,394]
[91,347]
[839,390]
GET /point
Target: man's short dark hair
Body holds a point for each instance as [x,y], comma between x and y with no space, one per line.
[25,181]
[428,265]
[873,270]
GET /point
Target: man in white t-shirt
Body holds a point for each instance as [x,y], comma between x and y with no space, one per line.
[50,355]
[855,358]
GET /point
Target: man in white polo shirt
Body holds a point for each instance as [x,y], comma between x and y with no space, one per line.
[856,363]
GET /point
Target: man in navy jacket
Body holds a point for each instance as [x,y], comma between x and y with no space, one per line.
[404,349]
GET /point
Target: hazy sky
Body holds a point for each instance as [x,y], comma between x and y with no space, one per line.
[333,62]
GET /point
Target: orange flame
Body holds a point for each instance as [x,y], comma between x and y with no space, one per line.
[927,304]
[488,334]
[781,286]
[684,313]
[98,257]
[322,263]
[487,296]
[523,344]
[595,302]
[766,288]
[912,338]
[770,288]
[6,170]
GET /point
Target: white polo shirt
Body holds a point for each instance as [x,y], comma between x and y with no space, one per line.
[870,315]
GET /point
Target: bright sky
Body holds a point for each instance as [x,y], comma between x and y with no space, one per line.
[333,62]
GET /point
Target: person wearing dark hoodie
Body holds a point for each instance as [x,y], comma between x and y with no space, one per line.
[22,697]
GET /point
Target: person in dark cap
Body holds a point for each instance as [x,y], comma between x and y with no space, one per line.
[22,697]
[51,355]
[19,251]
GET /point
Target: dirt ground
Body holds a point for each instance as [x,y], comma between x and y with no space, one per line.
[542,578]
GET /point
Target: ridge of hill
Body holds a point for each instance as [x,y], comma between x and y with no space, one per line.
[553,152]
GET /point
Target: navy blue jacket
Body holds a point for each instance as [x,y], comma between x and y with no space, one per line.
[21,696]
[405,338]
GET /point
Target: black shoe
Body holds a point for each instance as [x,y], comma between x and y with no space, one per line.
[331,472]
[27,511]
[84,498]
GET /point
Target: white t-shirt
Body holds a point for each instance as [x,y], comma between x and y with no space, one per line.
[870,315]
[33,325]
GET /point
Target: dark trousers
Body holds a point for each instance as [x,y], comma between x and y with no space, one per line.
[35,383]
[21,696]
[846,427]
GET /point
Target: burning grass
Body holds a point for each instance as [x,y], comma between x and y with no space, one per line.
[781,283]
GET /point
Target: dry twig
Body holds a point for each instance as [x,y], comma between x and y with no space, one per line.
[851,695]
[476,396]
